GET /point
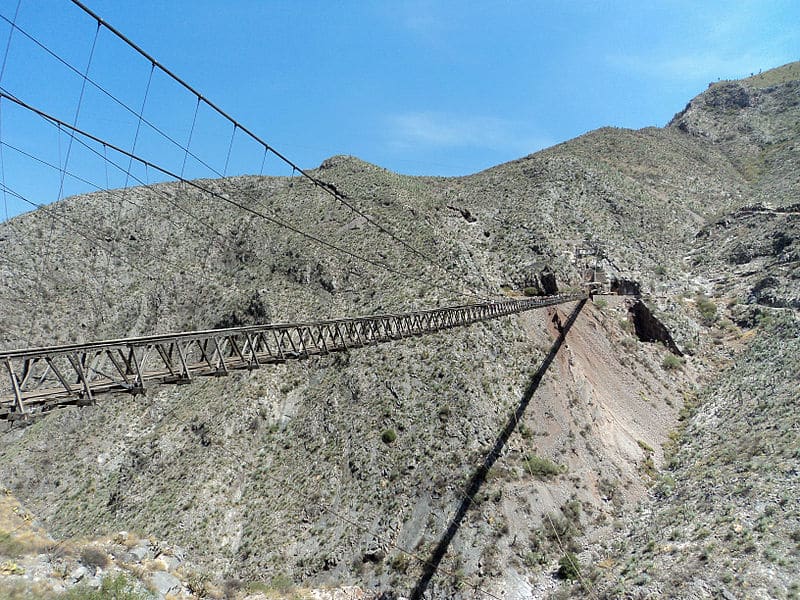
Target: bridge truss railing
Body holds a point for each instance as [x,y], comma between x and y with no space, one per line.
[39,379]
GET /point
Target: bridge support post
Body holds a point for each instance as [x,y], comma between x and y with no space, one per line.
[15,386]
[77,364]
[186,375]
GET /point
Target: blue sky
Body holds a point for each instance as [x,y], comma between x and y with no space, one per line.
[418,87]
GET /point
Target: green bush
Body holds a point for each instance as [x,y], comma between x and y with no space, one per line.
[94,557]
[401,563]
[647,448]
[116,587]
[280,583]
[388,436]
[10,546]
[569,567]
[530,291]
[665,485]
[671,363]
[543,467]
[706,308]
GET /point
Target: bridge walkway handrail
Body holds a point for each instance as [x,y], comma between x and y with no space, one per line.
[42,378]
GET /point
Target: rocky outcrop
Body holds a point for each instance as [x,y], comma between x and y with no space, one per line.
[649,329]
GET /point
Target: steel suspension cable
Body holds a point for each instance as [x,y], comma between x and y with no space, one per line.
[119,193]
[139,122]
[96,241]
[194,184]
[187,151]
[2,165]
[13,24]
[107,248]
[332,191]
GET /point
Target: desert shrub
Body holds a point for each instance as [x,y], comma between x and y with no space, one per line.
[671,363]
[198,583]
[117,587]
[647,448]
[607,487]
[232,586]
[530,291]
[281,584]
[543,467]
[706,308]
[568,567]
[600,303]
[9,546]
[572,510]
[94,557]
[664,486]
[388,436]
[400,563]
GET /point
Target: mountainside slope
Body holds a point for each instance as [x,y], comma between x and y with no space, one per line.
[727,518]
[326,472]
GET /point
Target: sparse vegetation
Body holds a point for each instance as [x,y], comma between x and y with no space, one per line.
[10,546]
[542,468]
[671,362]
[569,567]
[646,448]
[113,587]
[706,308]
[243,470]
[94,557]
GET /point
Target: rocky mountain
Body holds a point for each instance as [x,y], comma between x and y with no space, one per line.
[655,456]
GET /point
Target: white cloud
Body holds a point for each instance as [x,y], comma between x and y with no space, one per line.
[444,130]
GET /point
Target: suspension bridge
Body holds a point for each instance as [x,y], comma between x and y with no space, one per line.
[81,371]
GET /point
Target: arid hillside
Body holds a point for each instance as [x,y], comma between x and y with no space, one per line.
[464,462]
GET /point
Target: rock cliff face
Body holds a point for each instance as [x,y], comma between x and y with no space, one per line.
[360,468]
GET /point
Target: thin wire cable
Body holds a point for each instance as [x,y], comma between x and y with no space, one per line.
[331,190]
[330,246]
[228,156]
[99,318]
[85,76]
[139,122]
[2,160]
[317,183]
[263,162]
[108,248]
[191,133]
[8,43]
[45,256]
[119,193]
[98,242]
